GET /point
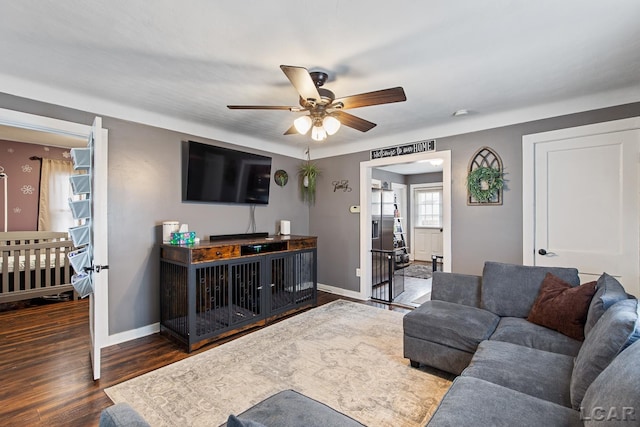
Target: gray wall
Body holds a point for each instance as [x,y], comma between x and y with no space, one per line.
[479,233]
[337,229]
[387,177]
[424,178]
[144,189]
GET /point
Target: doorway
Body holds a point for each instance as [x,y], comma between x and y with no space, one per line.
[365,210]
[28,127]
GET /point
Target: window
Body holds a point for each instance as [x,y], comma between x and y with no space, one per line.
[55,192]
[427,202]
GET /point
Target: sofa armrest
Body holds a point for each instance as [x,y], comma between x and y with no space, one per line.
[456,288]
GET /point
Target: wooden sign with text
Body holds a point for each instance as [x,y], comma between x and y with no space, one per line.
[402,150]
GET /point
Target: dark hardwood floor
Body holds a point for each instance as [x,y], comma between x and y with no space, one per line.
[45,372]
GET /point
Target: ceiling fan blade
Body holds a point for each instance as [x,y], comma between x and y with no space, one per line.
[261,107]
[385,96]
[354,122]
[291,131]
[302,81]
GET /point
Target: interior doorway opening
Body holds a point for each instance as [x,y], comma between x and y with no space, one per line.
[24,127]
[366,227]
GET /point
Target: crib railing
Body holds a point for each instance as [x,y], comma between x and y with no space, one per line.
[34,264]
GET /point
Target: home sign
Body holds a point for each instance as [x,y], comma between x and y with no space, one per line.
[401,150]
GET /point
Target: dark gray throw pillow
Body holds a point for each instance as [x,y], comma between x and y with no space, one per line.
[608,292]
[618,328]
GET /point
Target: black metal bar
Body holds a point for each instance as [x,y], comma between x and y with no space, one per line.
[382,278]
[434,262]
[391,270]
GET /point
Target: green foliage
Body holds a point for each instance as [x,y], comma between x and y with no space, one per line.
[484,183]
[311,172]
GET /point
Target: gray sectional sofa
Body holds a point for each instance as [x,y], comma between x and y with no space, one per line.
[511,371]
[514,372]
[287,408]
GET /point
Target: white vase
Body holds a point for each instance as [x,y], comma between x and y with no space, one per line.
[305,181]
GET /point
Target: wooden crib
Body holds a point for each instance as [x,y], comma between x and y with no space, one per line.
[34,264]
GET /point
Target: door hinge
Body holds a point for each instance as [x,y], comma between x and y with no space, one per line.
[97,268]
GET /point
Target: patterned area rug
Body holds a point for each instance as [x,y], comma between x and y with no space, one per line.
[344,354]
[418,270]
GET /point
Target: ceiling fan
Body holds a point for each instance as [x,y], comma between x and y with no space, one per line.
[326,112]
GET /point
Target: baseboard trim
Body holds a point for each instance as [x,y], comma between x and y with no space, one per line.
[341,292]
[144,331]
[133,334]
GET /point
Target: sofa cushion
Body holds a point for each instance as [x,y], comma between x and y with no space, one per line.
[608,292]
[614,395]
[510,289]
[121,414]
[436,355]
[616,330]
[289,408]
[456,287]
[534,372]
[450,324]
[474,402]
[562,307]
[234,421]
[522,332]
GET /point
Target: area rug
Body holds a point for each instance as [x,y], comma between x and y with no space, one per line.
[420,271]
[344,354]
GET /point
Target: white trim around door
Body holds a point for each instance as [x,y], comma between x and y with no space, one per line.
[365,210]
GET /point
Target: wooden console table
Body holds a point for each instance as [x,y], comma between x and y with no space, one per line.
[215,289]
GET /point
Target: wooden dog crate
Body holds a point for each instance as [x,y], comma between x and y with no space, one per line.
[214,289]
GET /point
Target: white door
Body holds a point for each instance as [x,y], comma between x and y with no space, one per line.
[74,135]
[427,221]
[428,242]
[98,301]
[585,202]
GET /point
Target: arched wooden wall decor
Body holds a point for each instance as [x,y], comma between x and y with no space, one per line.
[485,157]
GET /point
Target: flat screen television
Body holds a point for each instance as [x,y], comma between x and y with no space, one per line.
[222,175]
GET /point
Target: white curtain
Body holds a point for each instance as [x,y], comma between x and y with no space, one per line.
[54,213]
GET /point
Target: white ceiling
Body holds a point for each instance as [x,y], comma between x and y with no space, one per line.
[178,64]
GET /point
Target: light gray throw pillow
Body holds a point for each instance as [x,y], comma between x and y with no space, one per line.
[617,329]
[608,292]
[612,398]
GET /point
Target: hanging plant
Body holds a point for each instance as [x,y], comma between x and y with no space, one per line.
[484,183]
[307,175]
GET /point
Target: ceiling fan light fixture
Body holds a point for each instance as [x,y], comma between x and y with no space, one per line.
[325,111]
[331,124]
[302,124]
[318,133]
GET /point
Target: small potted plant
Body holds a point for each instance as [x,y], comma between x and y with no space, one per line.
[307,175]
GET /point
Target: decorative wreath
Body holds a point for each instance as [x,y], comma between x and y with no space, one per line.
[484,183]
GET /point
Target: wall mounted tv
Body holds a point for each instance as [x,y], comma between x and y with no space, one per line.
[222,175]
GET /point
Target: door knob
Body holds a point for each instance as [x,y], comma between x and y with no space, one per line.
[545,252]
